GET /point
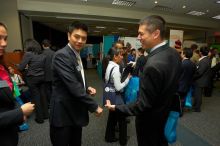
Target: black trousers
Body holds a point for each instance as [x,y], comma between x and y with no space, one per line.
[38,97]
[9,136]
[66,136]
[150,133]
[182,98]
[48,90]
[197,98]
[113,119]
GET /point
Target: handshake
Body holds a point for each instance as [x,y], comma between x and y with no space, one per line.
[108,105]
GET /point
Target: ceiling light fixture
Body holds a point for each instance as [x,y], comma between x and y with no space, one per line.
[121,28]
[100,27]
[216,17]
[218,2]
[196,13]
[155,2]
[184,7]
[123,3]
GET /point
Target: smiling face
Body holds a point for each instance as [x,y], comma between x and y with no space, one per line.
[77,39]
[145,37]
[3,39]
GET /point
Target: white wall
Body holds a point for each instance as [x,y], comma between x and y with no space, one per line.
[9,16]
[26,27]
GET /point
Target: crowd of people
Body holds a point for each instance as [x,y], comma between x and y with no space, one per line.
[56,81]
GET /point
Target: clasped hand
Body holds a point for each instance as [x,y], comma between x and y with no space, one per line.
[109,105]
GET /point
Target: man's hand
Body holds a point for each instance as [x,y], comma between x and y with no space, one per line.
[92,91]
[98,111]
[27,108]
[109,106]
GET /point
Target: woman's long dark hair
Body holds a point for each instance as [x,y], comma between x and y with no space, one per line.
[33,46]
[109,57]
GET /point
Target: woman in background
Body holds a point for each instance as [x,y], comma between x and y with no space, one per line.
[114,117]
[10,116]
[34,60]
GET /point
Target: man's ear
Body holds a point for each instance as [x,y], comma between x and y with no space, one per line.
[68,35]
[156,34]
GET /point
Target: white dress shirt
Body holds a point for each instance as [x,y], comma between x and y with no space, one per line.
[116,76]
[80,64]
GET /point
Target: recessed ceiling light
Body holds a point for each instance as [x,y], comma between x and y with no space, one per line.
[216,17]
[196,13]
[121,28]
[218,2]
[155,2]
[123,3]
[100,27]
[184,7]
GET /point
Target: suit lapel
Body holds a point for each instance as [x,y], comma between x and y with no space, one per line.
[162,48]
[75,63]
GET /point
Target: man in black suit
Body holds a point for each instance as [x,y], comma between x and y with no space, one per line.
[188,70]
[48,67]
[140,62]
[158,84]
[202,78]
[70,100]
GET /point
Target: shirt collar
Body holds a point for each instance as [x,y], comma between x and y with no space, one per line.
[157,46]
[75,52]
[202,58]
[113,63]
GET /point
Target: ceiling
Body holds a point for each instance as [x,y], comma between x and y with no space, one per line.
[124,26]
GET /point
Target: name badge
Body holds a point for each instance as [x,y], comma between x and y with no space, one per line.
[79,68]
[3,84]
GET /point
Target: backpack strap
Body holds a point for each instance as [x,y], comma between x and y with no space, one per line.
[110,74]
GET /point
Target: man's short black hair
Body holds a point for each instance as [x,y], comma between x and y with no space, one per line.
[204,51]
[77,25]
[46,43]
[141,50]
[194,47]
[188,52]
[155,22]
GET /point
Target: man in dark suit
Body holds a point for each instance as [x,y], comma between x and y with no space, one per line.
[158,84]
[48,67]
[188,70]
[202,78]
[70,100]
[140,63]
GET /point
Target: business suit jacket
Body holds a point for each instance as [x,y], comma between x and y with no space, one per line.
[140,65]
[158,84]
[48,64]
[10,118]
[186,78]
[35,62]
[69,103]
[202,75]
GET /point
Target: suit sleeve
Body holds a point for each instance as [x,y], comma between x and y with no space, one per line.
[150,87]
[137,67]
[66,72]
[201,69]
[12,117]
[27,57]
